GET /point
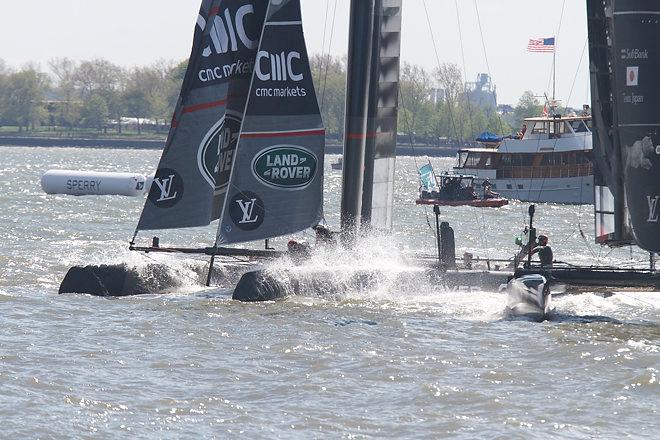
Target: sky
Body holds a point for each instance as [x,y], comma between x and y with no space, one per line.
[140,32]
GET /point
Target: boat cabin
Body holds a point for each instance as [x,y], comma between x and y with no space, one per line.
[451,187]
[550,147]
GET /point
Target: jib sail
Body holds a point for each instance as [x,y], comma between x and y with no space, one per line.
[276,186]
[189,186]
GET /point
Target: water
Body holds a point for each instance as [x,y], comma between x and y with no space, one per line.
[403,360]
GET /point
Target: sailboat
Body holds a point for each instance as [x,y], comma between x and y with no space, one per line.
[246,147]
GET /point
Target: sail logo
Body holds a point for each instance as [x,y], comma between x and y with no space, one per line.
[246,210]
[166,189]
[228,30]
[634,54]
[653,209]
[215,155]
[285,167]
[278,67]
[632,76]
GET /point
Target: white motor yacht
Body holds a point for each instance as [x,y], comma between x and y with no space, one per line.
[548,162]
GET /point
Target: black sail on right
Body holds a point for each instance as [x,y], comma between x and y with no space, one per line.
[193,173]
[629,157]
[276,185]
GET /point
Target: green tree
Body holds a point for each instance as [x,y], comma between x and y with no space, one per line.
[415,102]
[63,71]
[95,112]
[528,106]
[329,75]
[24,97]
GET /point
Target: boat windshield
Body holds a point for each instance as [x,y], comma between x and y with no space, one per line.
[579,126]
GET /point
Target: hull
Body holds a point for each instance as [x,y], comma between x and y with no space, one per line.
[487,203]
[571,190]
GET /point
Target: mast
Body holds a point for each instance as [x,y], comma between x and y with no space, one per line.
[357,106]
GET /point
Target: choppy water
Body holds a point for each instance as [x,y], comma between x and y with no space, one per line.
[405,360]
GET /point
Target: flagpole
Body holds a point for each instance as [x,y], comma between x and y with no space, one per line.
[554,69]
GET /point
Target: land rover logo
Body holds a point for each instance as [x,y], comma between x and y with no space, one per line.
[285,166]
[216,152]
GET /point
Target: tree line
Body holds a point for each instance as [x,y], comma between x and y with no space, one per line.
[97,95]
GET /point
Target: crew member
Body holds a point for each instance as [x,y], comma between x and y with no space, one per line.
[299,251]
[324,235]
[522,132]
[544,251]
[488,190]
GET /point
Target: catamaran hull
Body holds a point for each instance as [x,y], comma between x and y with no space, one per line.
[487,203]
[265,285]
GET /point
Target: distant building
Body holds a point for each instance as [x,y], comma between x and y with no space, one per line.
[438,95]
[482,93]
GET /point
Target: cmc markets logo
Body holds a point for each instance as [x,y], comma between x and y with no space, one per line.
[285,166]
[246,210]
[167,188]
[228,30]
[216,152]
[278,67]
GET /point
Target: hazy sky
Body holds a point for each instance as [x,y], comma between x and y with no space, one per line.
[139,32]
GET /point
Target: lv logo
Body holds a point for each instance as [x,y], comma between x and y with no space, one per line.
[165,186]
[247,208]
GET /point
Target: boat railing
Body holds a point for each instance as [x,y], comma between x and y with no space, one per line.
[545,172]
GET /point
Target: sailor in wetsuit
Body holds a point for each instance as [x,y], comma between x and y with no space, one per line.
[544,251]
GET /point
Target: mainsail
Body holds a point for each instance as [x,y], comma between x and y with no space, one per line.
[192,177]
[276,185]
[625,64]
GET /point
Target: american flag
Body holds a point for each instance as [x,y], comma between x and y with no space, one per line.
[541,45]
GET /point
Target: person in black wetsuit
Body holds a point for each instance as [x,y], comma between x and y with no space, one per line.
[544,251]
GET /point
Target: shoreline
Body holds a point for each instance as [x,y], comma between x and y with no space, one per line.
[157,144]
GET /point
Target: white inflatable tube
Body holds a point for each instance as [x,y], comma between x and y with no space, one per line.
[97,183]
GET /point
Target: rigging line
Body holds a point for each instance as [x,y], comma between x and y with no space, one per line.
[483,44]
[437,60]
[554,58]
[412,146]
[325,28]
[327,64]
[467,96]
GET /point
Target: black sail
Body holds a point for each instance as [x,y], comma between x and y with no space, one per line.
[276,185]
[612,225]
[625,64]
[192,177]
[637,65]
